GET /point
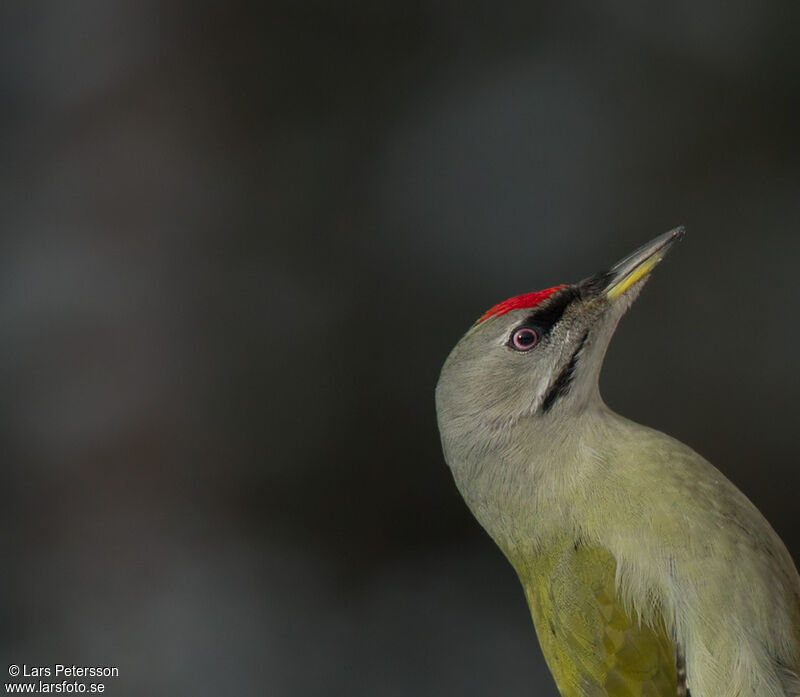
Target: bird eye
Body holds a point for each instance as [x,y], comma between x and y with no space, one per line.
[524,339]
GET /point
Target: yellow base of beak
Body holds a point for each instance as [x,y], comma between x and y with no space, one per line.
[636,274]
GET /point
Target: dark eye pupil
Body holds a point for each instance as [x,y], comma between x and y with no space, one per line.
[524,338]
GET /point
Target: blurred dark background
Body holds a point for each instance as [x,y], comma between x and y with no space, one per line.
[238,243]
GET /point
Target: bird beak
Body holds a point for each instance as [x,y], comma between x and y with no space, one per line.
[639,264]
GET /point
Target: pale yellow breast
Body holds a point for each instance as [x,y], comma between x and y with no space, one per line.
[591,645]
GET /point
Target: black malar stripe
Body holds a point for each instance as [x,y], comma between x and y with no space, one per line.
[561,384]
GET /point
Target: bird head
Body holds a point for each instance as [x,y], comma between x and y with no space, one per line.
[538,356]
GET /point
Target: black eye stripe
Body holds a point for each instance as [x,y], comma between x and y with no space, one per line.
[544,318]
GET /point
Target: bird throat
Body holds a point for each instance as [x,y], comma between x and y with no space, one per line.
[561,385]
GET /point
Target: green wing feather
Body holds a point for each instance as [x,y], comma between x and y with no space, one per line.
[592,646]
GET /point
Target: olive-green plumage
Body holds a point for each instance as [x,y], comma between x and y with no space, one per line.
[591,644]
[647,572]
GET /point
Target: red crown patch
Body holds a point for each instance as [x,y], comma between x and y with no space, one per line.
[519,302]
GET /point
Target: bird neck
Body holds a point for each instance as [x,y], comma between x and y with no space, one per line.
[521,484]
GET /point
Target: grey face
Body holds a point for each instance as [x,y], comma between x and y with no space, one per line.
[525,363]
[540,362]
